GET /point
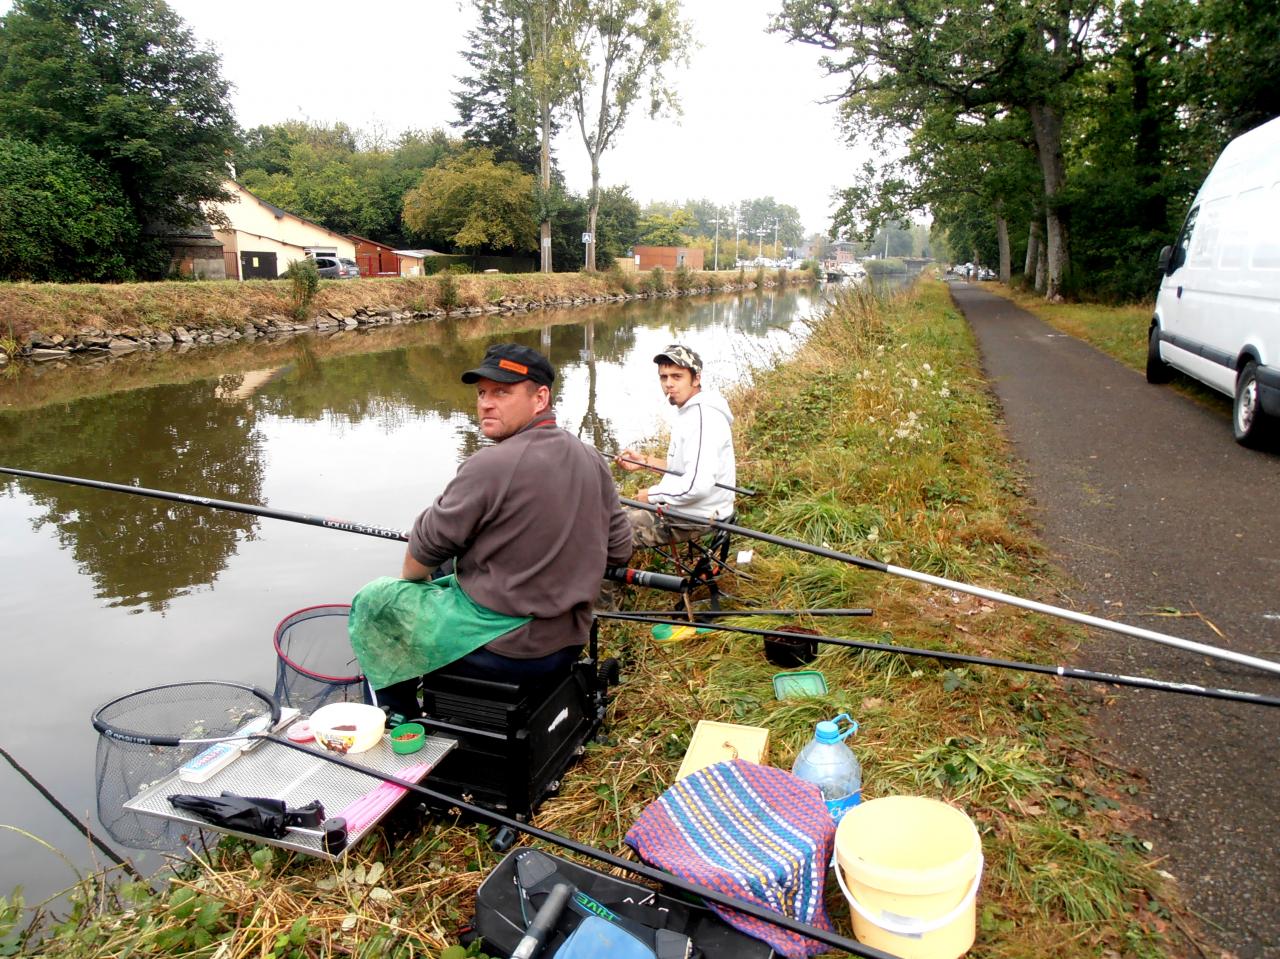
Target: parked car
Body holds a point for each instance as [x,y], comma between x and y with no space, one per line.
[336,268]
[986,273]
[1217,314]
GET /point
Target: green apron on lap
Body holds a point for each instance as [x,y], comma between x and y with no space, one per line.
[401,629]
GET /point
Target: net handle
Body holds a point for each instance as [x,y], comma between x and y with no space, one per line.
[147,739]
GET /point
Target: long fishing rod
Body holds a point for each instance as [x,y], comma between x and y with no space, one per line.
[636,576]
[1066,672]
[70,817]
[1084,618]
[662,469]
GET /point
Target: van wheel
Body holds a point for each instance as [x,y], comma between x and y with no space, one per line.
[1158,371]
[1250,424]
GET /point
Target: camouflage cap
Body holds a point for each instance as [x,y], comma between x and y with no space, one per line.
[678,355]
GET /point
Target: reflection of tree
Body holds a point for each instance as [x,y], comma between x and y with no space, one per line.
[594,428]
[178,438]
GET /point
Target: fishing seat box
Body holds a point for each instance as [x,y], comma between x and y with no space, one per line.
[515,741]
[499,922]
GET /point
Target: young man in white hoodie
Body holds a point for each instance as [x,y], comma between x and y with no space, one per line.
[700,457]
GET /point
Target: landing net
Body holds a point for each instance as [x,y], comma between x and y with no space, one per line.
[314,661]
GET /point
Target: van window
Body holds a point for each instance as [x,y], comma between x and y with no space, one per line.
[1184,240]
[1266,252]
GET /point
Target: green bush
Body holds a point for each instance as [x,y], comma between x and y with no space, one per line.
[714,282]
[447,295]
[623,281]
[63,217]
[683,278]
[760,278]
[657,280]
[742,277]
[304,283]
[460,269]
[782,276]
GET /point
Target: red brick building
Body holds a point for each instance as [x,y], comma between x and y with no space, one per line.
[667,257]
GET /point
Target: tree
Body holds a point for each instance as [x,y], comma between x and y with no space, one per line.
[621,49]
[496,104]
[326,174]
[616,227]
[902,56]
[62,216]
[674,230]
[519,54]
[472,202]
[123,82]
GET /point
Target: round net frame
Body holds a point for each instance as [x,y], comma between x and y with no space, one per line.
[315,664]
[124,768]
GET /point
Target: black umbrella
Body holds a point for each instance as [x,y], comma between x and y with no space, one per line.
[269,818]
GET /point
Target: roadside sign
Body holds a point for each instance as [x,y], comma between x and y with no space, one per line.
[586,238]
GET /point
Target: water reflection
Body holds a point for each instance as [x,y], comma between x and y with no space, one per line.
[142,553]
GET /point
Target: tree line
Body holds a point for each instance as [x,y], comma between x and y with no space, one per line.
[1063,138]
[115,126]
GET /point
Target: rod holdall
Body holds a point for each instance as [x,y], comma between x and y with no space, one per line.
[595,929]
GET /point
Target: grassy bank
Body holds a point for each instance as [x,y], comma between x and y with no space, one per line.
[880,439]
[48,310]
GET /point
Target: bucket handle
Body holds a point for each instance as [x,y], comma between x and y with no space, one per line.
[901,925]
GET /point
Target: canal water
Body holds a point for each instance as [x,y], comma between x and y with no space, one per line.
[106,592]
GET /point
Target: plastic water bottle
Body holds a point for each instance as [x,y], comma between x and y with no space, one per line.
[831,766]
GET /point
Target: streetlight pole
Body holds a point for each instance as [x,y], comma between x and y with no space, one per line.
[760,233]
[737,237]
[717,221]
[775,238]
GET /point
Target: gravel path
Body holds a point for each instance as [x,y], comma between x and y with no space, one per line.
[1147,503]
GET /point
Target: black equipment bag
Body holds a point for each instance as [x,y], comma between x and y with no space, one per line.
[504,909]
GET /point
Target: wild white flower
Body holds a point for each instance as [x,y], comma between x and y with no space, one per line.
[944,392]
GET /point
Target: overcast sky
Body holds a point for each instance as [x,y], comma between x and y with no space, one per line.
[751,125]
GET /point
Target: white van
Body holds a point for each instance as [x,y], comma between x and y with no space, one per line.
[1217,315]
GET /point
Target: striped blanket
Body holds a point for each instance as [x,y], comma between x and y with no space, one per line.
[748,831]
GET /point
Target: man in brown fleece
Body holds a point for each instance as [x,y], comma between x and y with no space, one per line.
[530,523]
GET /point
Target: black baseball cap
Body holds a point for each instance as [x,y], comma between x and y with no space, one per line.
[511,363]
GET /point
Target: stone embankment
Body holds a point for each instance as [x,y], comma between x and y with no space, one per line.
[117,340]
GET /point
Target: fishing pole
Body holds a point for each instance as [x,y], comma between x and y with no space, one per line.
[71,817]
[621,574]
[1066,672]
[1083,618]
[624,575]
[662,469]
[830,611]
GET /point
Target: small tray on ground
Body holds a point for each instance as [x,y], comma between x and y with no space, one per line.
[799,684]
[276,771]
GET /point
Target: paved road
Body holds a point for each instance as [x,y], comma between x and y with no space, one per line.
[1147,502]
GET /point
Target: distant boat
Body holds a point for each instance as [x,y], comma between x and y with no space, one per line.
[852,271]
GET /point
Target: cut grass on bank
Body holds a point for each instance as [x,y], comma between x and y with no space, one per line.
[880,439]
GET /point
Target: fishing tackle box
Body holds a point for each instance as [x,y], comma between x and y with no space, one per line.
[515,741]
[500,920]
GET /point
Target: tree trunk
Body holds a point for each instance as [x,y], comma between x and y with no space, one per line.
[1041,268]
[1046,121]
[544,245]
[1034,233]
[1002,240]
[591,216]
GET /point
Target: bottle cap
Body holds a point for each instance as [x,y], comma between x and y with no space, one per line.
[827,732]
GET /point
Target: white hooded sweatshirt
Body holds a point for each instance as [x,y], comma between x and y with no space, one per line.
[701,450]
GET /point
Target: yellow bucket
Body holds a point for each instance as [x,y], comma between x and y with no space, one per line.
[910,868]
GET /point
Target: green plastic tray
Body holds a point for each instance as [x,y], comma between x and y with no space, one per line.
[799,684]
